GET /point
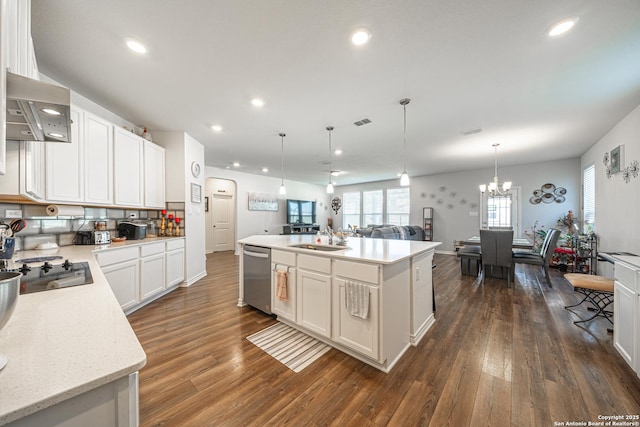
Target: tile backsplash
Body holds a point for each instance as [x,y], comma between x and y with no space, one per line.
[42,228]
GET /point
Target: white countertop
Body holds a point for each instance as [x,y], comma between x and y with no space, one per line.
[379,251]
[64,342]
[631,260]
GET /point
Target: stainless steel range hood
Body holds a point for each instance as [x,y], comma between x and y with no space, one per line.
[37,111]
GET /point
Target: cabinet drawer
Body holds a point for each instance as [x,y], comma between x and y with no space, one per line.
[175,244]
[282,257]
[357,271]
[152,249]
[320,264]
[117,255]
[626,275]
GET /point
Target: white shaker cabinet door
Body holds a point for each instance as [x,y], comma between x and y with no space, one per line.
[128,154]
[624,319]
[154,175]
[314,302]
[285,309]
[98,160]
[65,162]
[124,280]
[152,275]
[175,267]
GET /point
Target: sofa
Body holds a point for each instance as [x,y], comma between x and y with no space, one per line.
[388,231]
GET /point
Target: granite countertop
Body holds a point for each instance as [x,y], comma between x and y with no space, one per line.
[64,342]
[379,251]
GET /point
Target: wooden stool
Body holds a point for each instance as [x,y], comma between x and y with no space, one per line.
[598,290]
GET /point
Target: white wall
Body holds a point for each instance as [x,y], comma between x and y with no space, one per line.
[617,212]
[196,260]
[248,222]
[452,195]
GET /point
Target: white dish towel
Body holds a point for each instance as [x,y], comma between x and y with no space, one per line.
[357,298]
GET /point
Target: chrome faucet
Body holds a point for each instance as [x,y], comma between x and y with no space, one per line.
[329,231]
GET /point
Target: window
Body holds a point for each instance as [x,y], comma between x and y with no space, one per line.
[589,199]
[398,206]
[499,211]
[351,209]
[372,207]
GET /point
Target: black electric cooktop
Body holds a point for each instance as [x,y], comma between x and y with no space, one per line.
[46,276]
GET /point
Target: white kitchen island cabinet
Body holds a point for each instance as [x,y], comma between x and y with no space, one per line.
[397,274]
[626,310]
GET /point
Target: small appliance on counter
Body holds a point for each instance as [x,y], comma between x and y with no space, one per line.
[102,237]
[132,230]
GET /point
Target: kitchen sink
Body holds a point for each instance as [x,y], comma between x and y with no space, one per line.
[325,248]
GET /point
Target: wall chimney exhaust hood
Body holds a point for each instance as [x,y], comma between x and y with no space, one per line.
[37,111]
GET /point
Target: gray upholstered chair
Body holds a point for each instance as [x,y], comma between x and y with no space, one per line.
[544,257]
[497,251]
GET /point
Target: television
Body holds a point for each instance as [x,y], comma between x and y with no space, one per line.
[301,212]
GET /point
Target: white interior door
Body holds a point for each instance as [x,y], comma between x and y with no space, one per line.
[222,222]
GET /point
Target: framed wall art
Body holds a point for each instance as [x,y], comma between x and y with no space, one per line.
[263,202]
[196,193]
[616,159]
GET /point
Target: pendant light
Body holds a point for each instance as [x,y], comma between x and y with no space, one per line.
[493,187]
[283,190]
[404,178]
[330,184]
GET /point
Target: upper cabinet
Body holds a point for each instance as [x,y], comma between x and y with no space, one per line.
[128,151]
[65,164]
[98,160]
[154,175]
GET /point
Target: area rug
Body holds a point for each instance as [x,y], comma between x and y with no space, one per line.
[294,349]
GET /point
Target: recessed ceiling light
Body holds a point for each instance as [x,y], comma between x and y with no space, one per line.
[360,36]
[51,111]
[136,46]
[335,173]
[236,164]
[257,102]
[563,26]
[337,152]
[265,170]
[216,128]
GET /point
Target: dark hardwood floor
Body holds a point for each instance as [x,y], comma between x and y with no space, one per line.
[496,356]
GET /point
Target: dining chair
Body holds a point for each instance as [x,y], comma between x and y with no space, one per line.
[496,247]
[544,257]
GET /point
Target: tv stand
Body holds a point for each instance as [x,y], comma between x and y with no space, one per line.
[300,229]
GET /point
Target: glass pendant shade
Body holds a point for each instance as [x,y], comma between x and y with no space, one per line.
[404,179]
[329,188]
[283,190]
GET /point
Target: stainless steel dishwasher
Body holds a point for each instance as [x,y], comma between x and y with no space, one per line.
[257,277]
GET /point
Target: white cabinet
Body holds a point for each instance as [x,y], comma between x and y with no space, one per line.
[128,155]
[152,270]
[421,296]
[361,335]
[154,175]
[98,159]
[124,279]
[175,262]
[286,262]
[626,312]
[314,294]
[64,164]
[33,152]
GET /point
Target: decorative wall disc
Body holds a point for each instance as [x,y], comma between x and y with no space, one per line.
[548,193]
[535,200]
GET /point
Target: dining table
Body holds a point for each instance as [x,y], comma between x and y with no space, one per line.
[518,243]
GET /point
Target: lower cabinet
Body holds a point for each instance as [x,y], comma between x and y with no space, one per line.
[152,270]
[361,335]
[626,313]
[138,274]
[314,302]
[124,280]
[285,262]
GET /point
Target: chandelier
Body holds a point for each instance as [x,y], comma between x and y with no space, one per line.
[493,187]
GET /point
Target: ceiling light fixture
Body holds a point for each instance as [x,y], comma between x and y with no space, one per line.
[330,184]
[216,128]
[493,187]
[265,170]
[257,102]
[283,190]
[236,164]
[337,152]
[360,36]
[563,26]
[404,178]
[136,46]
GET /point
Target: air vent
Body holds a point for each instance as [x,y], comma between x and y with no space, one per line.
[471,131]
[362,122]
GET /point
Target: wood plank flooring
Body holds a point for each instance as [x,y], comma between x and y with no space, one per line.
[496,356]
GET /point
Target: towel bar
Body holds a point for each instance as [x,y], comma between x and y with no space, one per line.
[275,268]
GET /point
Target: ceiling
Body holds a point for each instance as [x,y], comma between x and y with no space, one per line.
[464,64]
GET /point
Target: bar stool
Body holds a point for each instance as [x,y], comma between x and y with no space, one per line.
[597,290]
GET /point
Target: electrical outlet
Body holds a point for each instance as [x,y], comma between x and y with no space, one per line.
[13,213]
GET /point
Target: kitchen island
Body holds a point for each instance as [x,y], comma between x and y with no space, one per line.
[396,274]
[73,358]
